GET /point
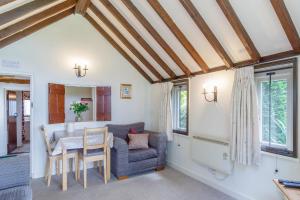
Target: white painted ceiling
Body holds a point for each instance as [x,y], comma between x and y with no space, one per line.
[257,16]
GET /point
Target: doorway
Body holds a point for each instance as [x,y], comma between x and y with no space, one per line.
[17,114]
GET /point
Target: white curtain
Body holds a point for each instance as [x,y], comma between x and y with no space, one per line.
[165,110]
[245,132]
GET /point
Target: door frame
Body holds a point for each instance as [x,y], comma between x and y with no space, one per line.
[20,88]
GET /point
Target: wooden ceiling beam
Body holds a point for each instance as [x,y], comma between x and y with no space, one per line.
[286,23]
[19,26]
[137,37]
[118,48]
[23,10]
[4,2]
[122,38]
[207,32]
[82,6]
[239,28]
[140,17]
[13,38]
[178,34]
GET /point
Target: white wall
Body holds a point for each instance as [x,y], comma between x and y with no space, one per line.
[49,54]
[213,120]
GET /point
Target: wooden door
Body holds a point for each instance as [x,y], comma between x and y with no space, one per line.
[11,107]
[56,103]
[103,103]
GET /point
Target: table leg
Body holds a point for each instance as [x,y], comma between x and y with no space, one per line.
[64,171]
[108,164]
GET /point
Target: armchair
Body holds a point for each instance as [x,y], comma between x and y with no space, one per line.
[125,162]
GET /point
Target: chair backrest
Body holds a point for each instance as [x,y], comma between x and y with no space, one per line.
[95,138]
[46,139]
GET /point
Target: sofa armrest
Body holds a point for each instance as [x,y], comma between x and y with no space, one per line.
[159,142]
[15,171]
[119,158]
[120,145]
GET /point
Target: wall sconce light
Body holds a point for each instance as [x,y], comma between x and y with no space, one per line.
[214,92]
[80,71]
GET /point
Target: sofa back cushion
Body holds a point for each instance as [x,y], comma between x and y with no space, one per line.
[15,171]
[122,131]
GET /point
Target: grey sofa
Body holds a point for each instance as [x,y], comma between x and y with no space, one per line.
[126,162]
[15,178]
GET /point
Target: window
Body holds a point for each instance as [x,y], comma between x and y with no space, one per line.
[277,94]
[180,101]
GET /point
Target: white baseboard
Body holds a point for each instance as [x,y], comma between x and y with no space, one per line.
[211,183]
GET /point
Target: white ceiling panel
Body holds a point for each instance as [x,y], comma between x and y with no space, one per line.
[260,21]
[130,38]
[191,31]
[115,38]
[13,5]
[293,7]
[217,22]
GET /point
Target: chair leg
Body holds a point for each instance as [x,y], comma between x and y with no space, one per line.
[76,167]
[50,171]
[100,167]
[105,172]
[57,167]
[47,170]
[84,174]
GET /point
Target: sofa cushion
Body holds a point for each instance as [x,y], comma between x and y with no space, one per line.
[135,155]
[138,141]
[121,131]
[16,193]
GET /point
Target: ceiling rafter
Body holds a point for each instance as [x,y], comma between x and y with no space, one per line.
[14,80]
[178,34]
[286,23]
[82,6]
[122,38]
[34,28]
[137,37]
[118,48]
[23,10]
[207,32]
[239,28]
[4,2]
[140,17]
[19,26]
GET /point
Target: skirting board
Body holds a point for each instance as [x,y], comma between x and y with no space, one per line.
[210,183]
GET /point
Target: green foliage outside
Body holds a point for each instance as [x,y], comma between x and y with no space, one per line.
[183,109]
[78,108]
[278,111]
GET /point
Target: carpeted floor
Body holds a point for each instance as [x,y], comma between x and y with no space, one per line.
[168,184]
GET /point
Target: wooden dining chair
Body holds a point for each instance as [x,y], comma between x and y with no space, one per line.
[94,151]
[56,158]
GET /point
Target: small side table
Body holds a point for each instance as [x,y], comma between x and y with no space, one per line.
[289,193]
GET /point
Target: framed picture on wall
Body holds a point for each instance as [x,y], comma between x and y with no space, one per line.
[125,91]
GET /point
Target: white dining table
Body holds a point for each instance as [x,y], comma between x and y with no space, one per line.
[74,140]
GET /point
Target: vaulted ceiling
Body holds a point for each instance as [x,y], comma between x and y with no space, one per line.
[169,39]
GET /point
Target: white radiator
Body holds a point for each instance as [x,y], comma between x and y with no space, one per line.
[212,152]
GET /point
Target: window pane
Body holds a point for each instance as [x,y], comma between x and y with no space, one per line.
[183,109]
[274,122]
[26,107]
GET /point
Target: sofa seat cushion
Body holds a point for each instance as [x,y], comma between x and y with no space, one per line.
[135,155]
[16,193]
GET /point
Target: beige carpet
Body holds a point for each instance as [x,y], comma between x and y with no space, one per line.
[168,184]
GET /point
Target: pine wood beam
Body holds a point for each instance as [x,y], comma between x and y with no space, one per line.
[13,38]
[286,23]
[118,48]
[239,28]
[207,32]
[140,17]
[4,2]
[123,39]
[137,37]
[21,25]
[13,80]
[23,10]
[82,6]
[178,34]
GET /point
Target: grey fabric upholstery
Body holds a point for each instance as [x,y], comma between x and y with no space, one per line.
[141,154]
[94,152]
[15,178]
[125,162]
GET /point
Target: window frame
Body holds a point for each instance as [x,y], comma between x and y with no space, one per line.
[186,83]
[280,151]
